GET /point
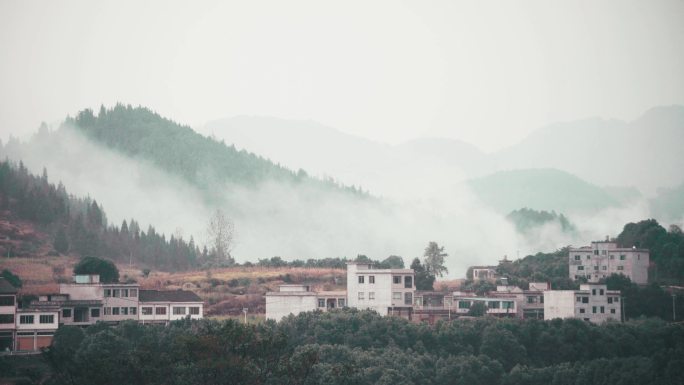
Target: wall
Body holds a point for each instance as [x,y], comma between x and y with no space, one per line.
[279,306]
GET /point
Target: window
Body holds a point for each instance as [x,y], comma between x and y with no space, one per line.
[108,292]
[116,293]
[178,310]
[396,295]
[616,299]
[95,313]
[595,267]
[595,253]
[408,282]
[541,299]
[361,278]
[585,299]
[507,304]
[603,309]
[47,319]
[321,302]
[371,296]
[108,311]
[25,319]
[601,292]
[341,302]
[194,310]
[6,318]
[146,310]
[620,267]
[133,292]
[371,279]
[580,267]
[7,300]
[133,310]
[612,311]
[124,292]
[115,311]
[622,257]
[604,252]
[612,257]
[124,311]
[494,304]
[160,311]
[533,299]
[408,298]
[593,291]
[464,304]
[361,295]
[396,279]
[593,309]
[582,310]
[577,257]
[610,299]
[66,313]
[604,267]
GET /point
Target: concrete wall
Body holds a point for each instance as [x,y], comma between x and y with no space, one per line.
[279,306]
[603,259]
[37,325]
[559,304]
[10,310]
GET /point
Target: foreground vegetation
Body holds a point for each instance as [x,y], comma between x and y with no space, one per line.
[360,347]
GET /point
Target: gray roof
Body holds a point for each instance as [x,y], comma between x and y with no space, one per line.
[6,287]
[168,296]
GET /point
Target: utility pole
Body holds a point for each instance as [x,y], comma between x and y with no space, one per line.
[674,308]
[244,310]
[624,316]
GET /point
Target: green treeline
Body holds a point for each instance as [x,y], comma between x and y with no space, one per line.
[79,225]
[360,347]
[207,163]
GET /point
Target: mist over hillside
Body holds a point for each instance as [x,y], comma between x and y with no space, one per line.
[139,164]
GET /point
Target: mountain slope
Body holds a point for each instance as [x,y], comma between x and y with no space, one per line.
[644,153]
[540,189]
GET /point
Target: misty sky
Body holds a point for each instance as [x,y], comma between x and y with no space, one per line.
[481,71]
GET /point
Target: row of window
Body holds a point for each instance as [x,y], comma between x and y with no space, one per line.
[396,279]
[120,310]
[408,297]
[67,313]
[489,304]
[30,319]
[177,310]
[620,267]
[121,293]
[622,257]
[601,309]
[585,299]
[341,302]
[535,299]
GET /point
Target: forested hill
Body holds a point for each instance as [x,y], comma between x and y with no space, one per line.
[203,161]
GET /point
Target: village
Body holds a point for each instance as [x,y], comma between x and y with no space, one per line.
[389,292]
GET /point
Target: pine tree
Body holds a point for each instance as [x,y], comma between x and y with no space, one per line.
[61,243]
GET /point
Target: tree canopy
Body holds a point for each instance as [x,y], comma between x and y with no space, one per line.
[106,269]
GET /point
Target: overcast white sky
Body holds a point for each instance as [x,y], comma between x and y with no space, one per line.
[482,71]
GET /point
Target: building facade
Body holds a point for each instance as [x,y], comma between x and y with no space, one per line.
[592,302]
[602,259]
[387,291]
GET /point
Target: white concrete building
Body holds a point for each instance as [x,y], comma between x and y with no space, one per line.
[291,299]
[92,301]
[387,291]
[602,259]
[592,302]
[164,306]
[8,312]
[36,328]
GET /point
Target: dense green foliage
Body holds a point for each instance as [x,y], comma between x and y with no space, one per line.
[11,278]
[360,347]
[104,268]
[391,262]
[649,301]
[527,219]
[79,225]
[177,149]
[424,280]
[666,248]
[541,267]
[434,260]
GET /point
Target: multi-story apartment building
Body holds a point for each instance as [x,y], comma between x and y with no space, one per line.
[592,302]
[8,313]
[85,302]
[602,259]
[387,291]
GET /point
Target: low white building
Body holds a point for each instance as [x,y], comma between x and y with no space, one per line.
[291,299]
[36,328]
[602,259]
[592,302]
[158,306]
